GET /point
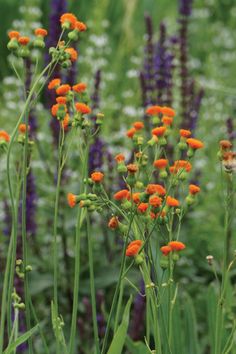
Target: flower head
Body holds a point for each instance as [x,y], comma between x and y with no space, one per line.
[122,194]
[54,84]
[153,110]
[132,168]
[172,202]
[80,26]
[185,133]
[71,199]
[176,245]
[159,131]
[167,111]
[22,128]
[142,208]
[13,34]
[130,133]
[161,163]
[63,89]
[155,201]
[23,40]
[4,136]
[194,143]
[165,250]
[113,223]
[82,108]
[68,20]
[80,87]
[193,189]
[225,144]
[166,120]
[138,125]
[119,158]
[40,32]
[73,54]
[133,248]
[97,176]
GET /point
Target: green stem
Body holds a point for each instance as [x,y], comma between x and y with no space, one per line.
[11,192]
[92,285]
[77,257]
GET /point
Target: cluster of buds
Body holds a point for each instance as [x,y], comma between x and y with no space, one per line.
[21,268]
[21,46]
[171,249]
[17,303]
[71,104]
[227,156]
[62,53]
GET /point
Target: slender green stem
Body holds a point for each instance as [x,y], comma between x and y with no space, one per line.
[77,257]
[117,317]
[92,285]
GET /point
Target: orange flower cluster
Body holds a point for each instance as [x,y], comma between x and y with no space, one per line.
[227,156]
[172,246]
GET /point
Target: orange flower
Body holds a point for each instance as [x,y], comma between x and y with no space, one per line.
[130,133]
[69,20]
[65,122]
[193,189]
[166,120]
[63,89]
[132,168]
[161,163]
[4,136]
[159,131]
[13,34]
[122,194]
[55,108]
[133,248]
[178,164]
[161,214]
[176,245]
[54,83]
[80,26]
[119,158]
[165,250]
[184,133]
[172,202]
[136,197]
[82,108]
[80,87]
[97,177]
[73,54]
[71,199]
[168,111]
[23,40]
[153,110]
[113,223]
[138,125]
[40,32]
[155,188]
[155,201]
[142,208]
[61,100]
[194,143]
[160,190]
[22,128]
[225,144]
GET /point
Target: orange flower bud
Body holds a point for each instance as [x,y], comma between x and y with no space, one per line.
[54,83]
[172,202]
[153,110]
[22,128]
[119,158]
[97,177]
[40,32]
[61,100]
[113,223]
[132,168]
[80,87]
[166,120]
[193,189]
[165,250]
[63,89]
[161,163]
[194,143]
[159,131]
[71,199]
[176,245]
[133,248]
[82,108]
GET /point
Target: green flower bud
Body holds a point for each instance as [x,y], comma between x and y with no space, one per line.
[121,168]
[13,44]
[175,256]
[164,262]
[73,35]
[138,259]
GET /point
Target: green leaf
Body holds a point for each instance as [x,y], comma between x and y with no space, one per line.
[136,347]
[191,338]
[20,340]
[118,341]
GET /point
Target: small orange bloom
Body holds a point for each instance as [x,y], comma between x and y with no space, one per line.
[13,34]
[63,89]
[132,168]
[80,87]
[136,197]
[113,223]
[61,100]
[178,164]
[40,32]
[176,245]
[225,144]
[194,143]
[138,125]
[54,83]
[155,188]
[73,54]
[168,111]
[71,199]
[97,177]
[159,131]
[4,136]
[165,250]
[142,208]
[82,108]
[122,194]
[22,128]
[54,109]
[160,190]
[166,120]
[193,189]
[80,26]
[130,133]
[23,40]
[161,163]
[65,122]
[172,202]
[153,110]
[185,133]
[155,201]
[119,158]
[70,18]
[133,248]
